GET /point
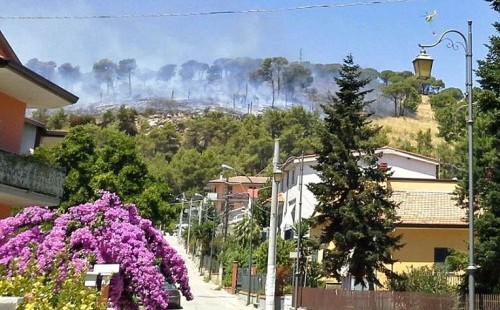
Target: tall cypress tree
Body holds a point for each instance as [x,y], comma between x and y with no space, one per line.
[353,204]
[487,167]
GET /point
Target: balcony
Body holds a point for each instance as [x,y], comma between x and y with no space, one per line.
[25,182]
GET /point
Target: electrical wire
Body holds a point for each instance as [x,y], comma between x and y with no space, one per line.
[250,11]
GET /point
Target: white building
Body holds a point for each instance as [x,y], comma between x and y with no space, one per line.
[401,164]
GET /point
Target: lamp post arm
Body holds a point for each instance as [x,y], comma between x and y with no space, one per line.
[451,44]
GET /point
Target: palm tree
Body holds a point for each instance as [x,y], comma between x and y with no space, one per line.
[307,246]
[247,229]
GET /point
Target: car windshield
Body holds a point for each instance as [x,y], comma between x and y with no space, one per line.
[169,286]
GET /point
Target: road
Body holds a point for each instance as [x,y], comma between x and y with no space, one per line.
[206,295]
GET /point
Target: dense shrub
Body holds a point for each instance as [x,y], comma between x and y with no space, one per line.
[45,291]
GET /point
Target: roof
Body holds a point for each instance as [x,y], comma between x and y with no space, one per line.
[27,86]
[418,208]
[298,159]
[391,150]
[34,122]
[6,50]
[383,150]
[281,198]
[46,132]
[242,180]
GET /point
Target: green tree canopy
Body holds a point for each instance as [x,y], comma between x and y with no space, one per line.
[59,120]
[353,205]
[107,159]
[402,91]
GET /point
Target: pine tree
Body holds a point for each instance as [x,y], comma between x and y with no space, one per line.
[353,203]
[487,168]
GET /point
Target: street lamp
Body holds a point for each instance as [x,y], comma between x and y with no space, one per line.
[189,220]
[224,166]
[271,252]
[423,66]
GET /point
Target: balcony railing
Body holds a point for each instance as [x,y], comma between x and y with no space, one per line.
[24,173]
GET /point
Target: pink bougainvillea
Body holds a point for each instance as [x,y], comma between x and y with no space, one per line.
[106,231]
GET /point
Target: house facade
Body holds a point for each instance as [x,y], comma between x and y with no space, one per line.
[401,164]
[36,134]
[24,182]
[234,194]
[431,223]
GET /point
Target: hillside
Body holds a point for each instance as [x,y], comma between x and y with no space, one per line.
[401,129]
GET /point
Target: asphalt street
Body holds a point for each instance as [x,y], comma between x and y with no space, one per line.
[207,296]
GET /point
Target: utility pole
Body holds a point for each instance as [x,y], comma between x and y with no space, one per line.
[250,202]
[200,212]
[299,232]
[224,228]
[226,209]
[271,254]
[180,216]
[211,251]
[189,225]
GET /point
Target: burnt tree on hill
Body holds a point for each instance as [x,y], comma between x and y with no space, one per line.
[105,72]
[125,69]
[166,73]
[69,73]
[44,68]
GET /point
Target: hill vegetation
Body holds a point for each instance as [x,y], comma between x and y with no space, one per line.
[244,84]
[168,144]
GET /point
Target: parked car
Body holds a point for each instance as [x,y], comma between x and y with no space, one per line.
[174,296]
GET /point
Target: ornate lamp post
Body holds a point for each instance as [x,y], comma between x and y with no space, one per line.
[423,66]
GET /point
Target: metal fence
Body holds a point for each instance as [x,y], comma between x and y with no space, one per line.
[323,299]
[206,263]
[483,302]
[258,281]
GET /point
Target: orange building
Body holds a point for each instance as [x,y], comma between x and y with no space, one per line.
[238,190]
[22,181]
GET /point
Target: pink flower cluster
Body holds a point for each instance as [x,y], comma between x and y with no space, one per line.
[106,231]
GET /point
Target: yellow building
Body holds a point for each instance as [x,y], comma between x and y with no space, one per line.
[430,224]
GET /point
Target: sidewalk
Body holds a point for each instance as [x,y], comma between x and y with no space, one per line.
[207,295]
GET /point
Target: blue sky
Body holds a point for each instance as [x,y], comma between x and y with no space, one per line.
[381,36]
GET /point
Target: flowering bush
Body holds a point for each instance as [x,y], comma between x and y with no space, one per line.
[106,231]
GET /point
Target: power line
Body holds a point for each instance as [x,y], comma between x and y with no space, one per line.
[251,11]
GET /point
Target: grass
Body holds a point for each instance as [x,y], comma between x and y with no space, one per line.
[401,129]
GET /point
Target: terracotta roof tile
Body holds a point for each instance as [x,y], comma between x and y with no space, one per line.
[432,208]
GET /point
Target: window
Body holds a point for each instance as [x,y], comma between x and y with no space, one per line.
[440,254]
